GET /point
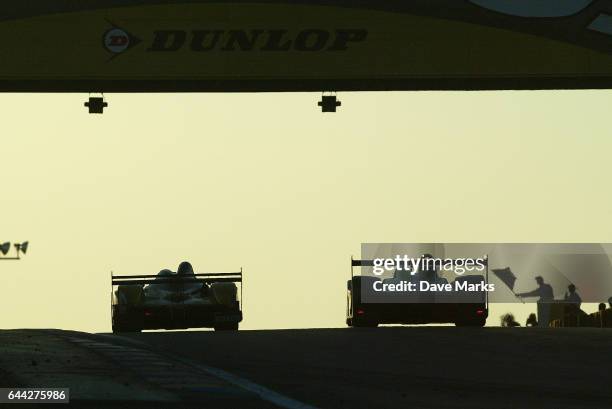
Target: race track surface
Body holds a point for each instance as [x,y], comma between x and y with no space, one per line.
[411,367]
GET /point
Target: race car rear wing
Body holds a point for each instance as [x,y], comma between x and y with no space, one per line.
[209,278]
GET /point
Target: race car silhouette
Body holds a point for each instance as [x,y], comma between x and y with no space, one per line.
[178,300]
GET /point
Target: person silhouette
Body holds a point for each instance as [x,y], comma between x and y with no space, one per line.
[544,291]
[546,296]
[573,300]
[572,297]
[607,315]
[507,320]
[532,321]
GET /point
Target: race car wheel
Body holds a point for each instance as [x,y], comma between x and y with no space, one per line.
[366,325]
[117,328]
[231,326]
[363,323]
[120,330]
[472,323]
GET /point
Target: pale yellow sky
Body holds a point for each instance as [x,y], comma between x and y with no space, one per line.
[268,183]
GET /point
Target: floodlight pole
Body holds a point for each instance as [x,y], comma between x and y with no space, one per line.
[18,247]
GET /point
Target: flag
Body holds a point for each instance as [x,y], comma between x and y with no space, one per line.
[506,276]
